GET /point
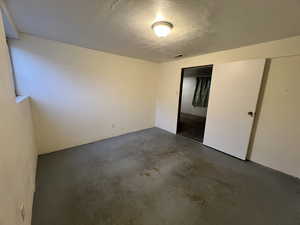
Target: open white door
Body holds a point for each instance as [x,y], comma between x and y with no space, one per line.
[232,103]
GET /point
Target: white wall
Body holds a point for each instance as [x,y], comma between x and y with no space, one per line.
[188,90]
[277,137]
[81,95]
[168,94]
[17,147]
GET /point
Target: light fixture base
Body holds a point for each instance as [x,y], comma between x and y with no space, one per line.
[163,23]
[162,28]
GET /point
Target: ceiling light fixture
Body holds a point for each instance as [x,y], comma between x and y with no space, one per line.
[162,28]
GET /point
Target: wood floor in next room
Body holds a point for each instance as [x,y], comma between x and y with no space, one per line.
[191,126]
[153,177]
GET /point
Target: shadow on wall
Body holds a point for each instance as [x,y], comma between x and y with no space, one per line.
[259,106]
[82,95]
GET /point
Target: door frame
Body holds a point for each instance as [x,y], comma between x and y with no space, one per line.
[180,90]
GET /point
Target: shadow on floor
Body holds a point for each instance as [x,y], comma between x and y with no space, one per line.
[153,177]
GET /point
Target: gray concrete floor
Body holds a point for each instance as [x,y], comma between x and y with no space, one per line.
[156,178]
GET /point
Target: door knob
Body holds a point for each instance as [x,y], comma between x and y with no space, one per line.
[251,114]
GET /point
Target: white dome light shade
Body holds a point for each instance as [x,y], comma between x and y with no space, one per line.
[162,28]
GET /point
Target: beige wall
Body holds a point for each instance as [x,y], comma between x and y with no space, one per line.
[81,95]
[168,94]
[17,148]
[277,137]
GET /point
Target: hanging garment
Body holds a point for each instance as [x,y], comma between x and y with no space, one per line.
[201,92]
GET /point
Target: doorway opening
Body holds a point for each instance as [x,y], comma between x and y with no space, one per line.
[193,101]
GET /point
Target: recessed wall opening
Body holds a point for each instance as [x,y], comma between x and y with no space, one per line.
[193,101]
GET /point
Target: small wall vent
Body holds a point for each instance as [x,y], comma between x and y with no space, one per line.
[178,56]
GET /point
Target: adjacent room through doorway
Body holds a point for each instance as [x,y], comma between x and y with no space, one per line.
[193,101]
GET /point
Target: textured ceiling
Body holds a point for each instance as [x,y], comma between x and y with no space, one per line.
[123,26]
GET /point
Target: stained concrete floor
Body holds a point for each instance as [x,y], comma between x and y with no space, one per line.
[156,178]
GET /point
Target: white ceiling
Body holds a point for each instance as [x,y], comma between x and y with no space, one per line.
[123,26]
